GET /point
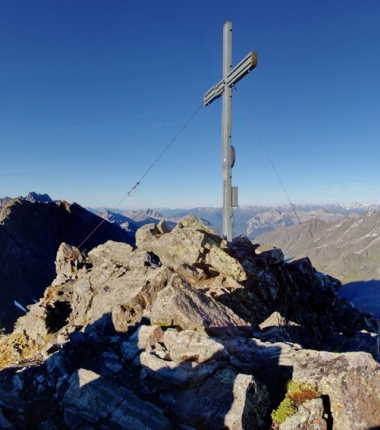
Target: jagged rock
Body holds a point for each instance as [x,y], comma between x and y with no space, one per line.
[310,416]
[276,328]
[12,402]
[98,320]
[190,273]
[242,403]
[112,361]
[179,304]
[47,316]
[192,345]
[162,227]
[223,263]
[67,263]
[82,298]
[146,233]
[92,399]
[56,370]
[191,243]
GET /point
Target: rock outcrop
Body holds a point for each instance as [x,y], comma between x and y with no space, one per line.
[30,234]
[189,332]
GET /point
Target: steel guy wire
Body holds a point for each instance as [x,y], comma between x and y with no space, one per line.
[267,154]
[133,189]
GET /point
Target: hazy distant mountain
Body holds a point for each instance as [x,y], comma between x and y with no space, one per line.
[36,197]
[273,219]
[133,220]
[348,249]
[255,220]
[31,197]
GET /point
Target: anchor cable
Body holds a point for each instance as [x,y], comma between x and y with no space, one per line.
[267,154]
[133,189]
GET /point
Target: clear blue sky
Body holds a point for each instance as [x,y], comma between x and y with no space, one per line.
[92,91]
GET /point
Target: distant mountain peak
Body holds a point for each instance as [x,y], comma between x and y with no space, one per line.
[36,197]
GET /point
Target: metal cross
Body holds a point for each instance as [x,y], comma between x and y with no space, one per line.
[224,87]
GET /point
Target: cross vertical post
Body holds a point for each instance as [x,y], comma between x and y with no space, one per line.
[226,132]
[224,87]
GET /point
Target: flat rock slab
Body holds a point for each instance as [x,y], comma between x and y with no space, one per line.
[93,399]
[174,373]
[192,345]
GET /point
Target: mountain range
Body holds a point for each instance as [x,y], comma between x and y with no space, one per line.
[355,263]
[251,221]
[348,249]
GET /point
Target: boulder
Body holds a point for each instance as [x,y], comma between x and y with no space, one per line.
[145,234]
[181,305]
[67,263]
[191,243]
[240,402]
[114,252]
[126,296]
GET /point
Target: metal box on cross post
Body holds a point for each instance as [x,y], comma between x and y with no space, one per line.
[234,197]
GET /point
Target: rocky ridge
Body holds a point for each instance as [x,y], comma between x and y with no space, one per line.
[30,234]
[186,332]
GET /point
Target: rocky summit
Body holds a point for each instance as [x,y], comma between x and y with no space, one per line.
[188,332]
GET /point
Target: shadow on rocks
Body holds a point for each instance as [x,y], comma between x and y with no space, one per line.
[104,379]
[365,295]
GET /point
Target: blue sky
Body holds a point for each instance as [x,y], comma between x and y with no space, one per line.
[92,91]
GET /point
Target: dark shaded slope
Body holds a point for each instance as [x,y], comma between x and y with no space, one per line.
[30,234]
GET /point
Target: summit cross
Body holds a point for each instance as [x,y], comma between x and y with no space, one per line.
[230,77]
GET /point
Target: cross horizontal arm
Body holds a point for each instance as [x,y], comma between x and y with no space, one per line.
[213,93]
[244,67]
[237,73]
